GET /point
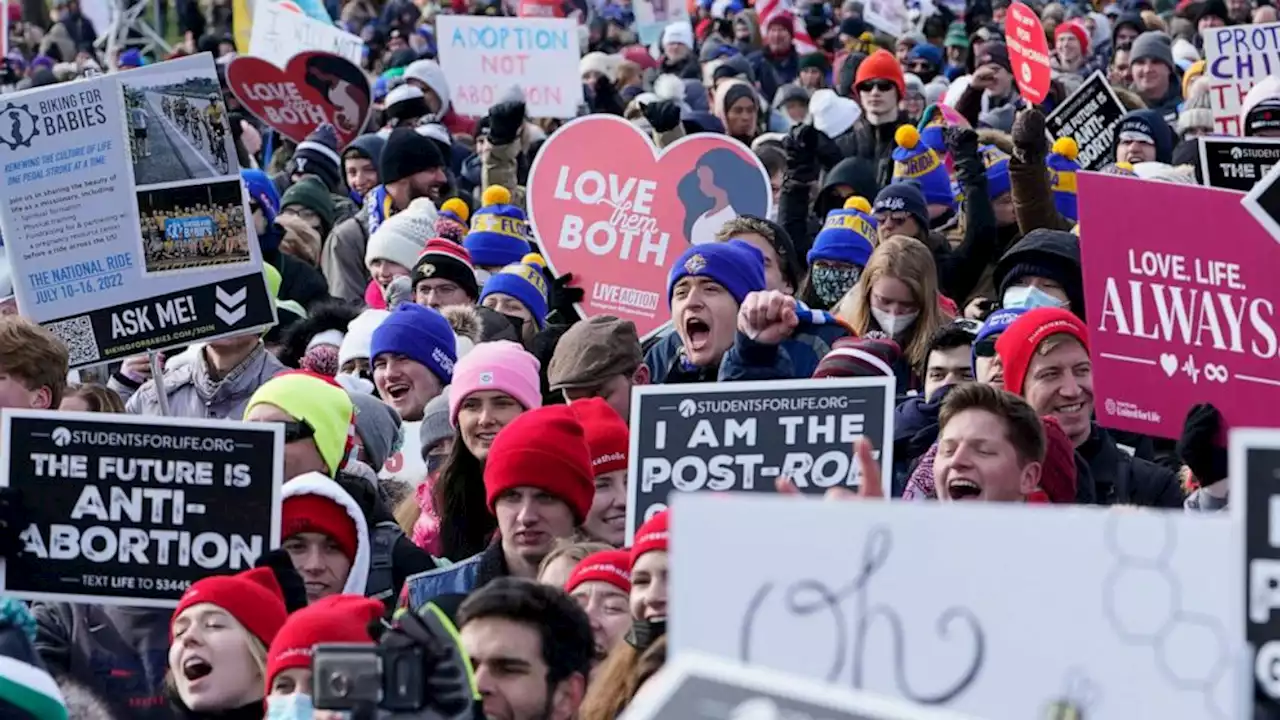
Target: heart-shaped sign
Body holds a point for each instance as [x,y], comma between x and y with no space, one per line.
[313,88]
[612,209]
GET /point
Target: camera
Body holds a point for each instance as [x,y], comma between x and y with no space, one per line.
[417,671]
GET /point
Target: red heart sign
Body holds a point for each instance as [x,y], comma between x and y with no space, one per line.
[313,88]
[1028,52]
[619,219]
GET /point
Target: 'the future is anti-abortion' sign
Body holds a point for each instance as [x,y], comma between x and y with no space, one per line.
[1175,319]
[131,510]
[486,58]
[618,220]
[743,436]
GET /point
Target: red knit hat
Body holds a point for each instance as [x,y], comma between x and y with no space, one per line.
[253,598]
[652,535]
[546,449]
[610,566]
[1058,473]
[1017,344]
[608,437]
[879,65]
[859,357]
[319,514]
[334,619]
[1075,27]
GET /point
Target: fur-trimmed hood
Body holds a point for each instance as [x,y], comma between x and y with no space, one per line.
[466,324]
[314,483]
[331,315]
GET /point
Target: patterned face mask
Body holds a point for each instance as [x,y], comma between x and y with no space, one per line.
[831,282]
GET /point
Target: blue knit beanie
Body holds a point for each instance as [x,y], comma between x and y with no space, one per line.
[1062,176]
[523,281]
[915,160]
[262,191]
[997,162]
[421,334]
[848,235]
[736,265]
[499,231]
[903,197]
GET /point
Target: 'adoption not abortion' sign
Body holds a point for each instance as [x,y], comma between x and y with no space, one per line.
[485,58]
[743,436]
[130,510]
[1174,319]
[617,220]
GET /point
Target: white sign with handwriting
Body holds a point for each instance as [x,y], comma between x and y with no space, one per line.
[280,33]
[997,611]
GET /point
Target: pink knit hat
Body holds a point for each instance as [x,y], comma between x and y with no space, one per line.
[498,365]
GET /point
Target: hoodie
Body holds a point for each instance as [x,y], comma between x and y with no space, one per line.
[316,484]
[432,75]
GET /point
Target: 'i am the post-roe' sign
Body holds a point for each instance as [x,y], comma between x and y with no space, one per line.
[486,57]
[1236,58]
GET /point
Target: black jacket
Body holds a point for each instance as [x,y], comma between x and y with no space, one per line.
[802,221]
[1118,478]
[406,558]
[875,143]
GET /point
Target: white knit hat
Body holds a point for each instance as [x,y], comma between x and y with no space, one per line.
[401,237]
[355,345]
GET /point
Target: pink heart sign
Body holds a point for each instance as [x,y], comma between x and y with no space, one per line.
[313,88]
[614,210]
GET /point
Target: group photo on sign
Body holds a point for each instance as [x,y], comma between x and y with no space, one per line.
[639,359]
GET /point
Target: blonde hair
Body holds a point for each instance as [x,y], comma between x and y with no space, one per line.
[574,549]
[99,398]
[905,259]
[257,651]
[619,677]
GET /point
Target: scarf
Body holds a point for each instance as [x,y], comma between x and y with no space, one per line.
[377,205]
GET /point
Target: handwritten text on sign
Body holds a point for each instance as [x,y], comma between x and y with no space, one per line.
[1236,59]
[484,58]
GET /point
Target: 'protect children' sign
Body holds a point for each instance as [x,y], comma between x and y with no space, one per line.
[485,58]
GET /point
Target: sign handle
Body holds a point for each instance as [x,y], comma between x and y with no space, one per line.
[157,376]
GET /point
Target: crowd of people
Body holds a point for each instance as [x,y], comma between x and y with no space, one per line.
[924,229]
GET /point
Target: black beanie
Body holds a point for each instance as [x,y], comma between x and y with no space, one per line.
[408,153]
[1053,268]
[318,155]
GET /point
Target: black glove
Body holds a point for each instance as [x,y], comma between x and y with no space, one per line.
[561,297]
[801,146]
[295,590]
[447,677]
[1029,143]
[962,143]
[663,116]
[10,521]
[1198,449]
[505,121]
[605,97]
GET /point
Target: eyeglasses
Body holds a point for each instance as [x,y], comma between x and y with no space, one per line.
[295,431]
[881,85]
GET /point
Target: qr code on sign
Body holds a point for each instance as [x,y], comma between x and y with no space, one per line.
[77,335]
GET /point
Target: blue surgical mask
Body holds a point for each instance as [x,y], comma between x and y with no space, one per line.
[290,707]
[1029,298]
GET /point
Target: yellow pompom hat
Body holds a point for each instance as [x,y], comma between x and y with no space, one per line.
[451,222]
[1063,167]
[914,160]
[499,231]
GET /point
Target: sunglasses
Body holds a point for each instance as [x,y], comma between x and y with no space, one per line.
[897,218]
[919,65]
[881,85]
[295,431]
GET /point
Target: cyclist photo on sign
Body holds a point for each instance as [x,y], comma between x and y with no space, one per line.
[177,123]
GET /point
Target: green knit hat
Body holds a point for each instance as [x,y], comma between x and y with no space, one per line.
[310,193]
[955,36]
[815,60]
[24,684]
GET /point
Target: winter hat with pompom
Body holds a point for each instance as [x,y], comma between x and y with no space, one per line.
[402,236]
[914,160]
[847,236]
[499,230]
[997,164]
[451,222]
[524,281]
[1062,176]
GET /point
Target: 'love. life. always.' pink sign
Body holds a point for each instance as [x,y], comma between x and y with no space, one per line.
[1181,294]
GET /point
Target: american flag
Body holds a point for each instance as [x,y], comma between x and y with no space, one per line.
[767,9]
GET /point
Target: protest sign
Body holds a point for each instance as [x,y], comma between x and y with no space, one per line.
[1105,615]
[96,173]
[313,88]
[279,33]
[1254,474]
[485,58]
[542,8]
[1237,163]
[888,16]
[1028,52]
[696,686]
[652,16]
[1174,319]
[618,220]
[406,464]
[1089,117]
[1236,58]
[1263,202]
[130,510]
[743,436]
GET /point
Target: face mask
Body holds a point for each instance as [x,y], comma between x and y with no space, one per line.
[1030,298]
[895,325]
[831,282]
[290,707]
